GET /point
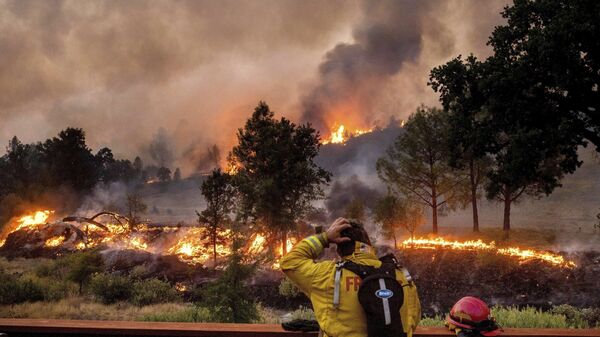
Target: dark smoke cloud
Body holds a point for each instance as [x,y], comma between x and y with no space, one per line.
[344,191]
[393,37]
[389,35]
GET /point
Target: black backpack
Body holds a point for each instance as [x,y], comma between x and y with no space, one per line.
[381,296]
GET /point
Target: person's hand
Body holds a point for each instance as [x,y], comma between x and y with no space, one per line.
[334,231]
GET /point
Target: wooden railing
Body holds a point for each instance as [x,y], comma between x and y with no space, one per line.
[44,327]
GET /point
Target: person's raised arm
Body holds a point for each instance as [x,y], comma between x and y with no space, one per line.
[299,265]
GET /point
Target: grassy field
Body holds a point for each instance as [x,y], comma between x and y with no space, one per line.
[82,308]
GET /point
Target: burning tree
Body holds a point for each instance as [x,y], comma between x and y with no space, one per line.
[417,164]
[219,194]
[276,176]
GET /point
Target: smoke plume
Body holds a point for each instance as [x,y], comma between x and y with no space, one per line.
[395,43]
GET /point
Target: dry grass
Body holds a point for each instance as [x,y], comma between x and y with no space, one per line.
[81,308]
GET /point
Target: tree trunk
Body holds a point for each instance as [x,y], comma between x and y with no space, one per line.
[434,215]
[507,203]
[214,252]
[474,196]
[283,243]
[395,242]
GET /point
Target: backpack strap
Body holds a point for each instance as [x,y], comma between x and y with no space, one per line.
[363,271]
[391,259]
[336,289]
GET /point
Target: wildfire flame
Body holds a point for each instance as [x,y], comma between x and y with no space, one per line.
[55,241]
[31,220]
[25,222]
[137,243]
[289,244]
[193,248]
[478,245]
[340,135]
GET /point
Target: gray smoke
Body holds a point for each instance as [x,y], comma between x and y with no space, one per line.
[392,42]
[388,36]
[344,191]
[161,149]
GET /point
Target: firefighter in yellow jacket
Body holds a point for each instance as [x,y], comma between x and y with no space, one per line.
[333,290]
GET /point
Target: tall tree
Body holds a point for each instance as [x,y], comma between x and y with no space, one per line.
[416,165]
[555,45]
[458,83]
[164,174]
[413,219]
[25,169]
[70,161]
[218,193]
[138,165]
[277,178]
[530,150]
[390,211]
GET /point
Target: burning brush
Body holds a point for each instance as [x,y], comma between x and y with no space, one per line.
[523,255]
[33,235]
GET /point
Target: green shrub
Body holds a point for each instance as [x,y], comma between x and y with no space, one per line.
[528,317]
[592,316]
[82,265]
[192,314]
[288,289]
[45,268]
[228,298]
[577,318]
[111,288]
[435,321]
[56,290]
[303,313]
[152,291]
[14,289]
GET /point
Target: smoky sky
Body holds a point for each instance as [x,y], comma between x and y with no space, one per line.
[122,70]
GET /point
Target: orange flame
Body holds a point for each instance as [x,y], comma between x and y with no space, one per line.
[55,241]
[194,249]
[478,245]
[339,135]
[26,222]
[31,220]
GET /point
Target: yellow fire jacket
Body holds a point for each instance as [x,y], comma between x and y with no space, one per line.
[317,281]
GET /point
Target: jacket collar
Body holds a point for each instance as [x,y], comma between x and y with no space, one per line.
[362,251]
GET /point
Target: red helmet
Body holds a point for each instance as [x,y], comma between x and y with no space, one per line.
[472,313]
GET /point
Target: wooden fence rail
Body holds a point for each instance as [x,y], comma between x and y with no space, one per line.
[44,327]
